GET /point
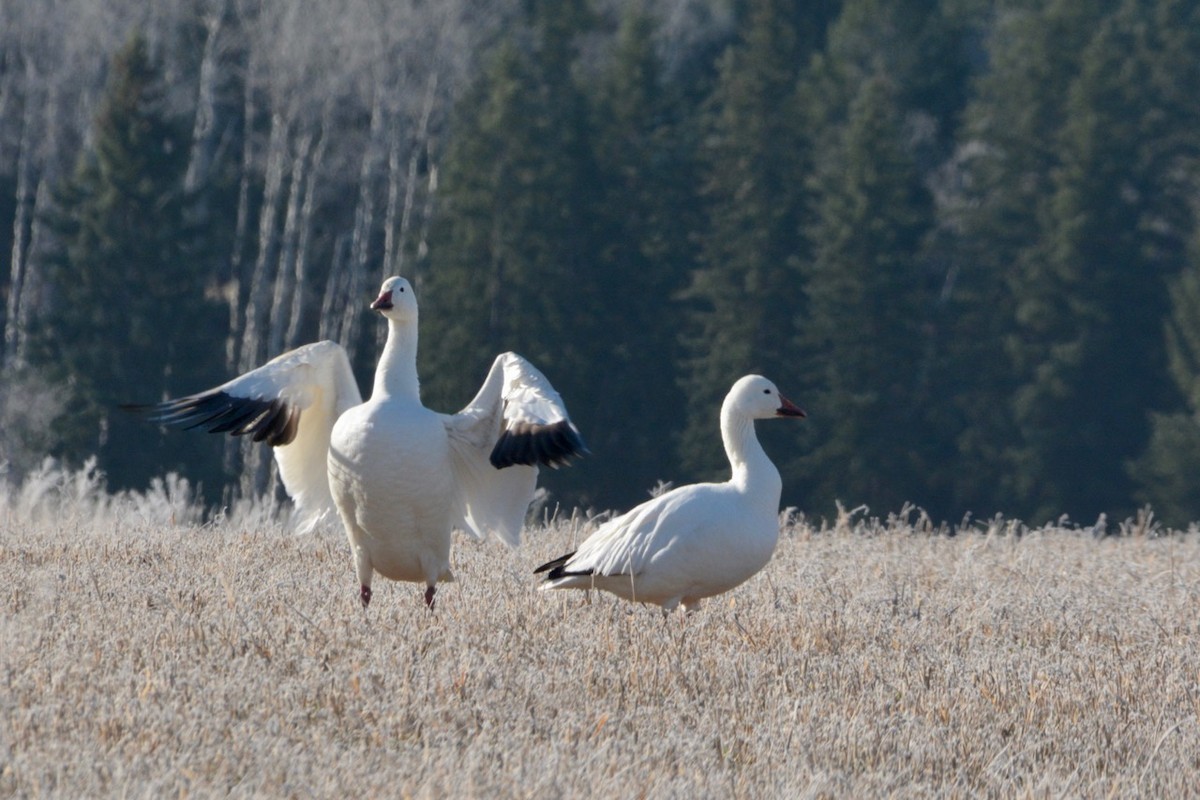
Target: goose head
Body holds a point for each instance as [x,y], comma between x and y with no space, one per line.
[396,300]
[758,398]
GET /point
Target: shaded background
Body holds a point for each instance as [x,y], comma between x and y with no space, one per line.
[962,234]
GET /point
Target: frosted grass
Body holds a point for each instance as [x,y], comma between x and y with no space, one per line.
[148,651]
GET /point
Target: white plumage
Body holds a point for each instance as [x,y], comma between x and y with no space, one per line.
[399,475]
[694,541]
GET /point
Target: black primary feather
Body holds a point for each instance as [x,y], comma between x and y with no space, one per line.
[272,421]
[558,568]
[554,445]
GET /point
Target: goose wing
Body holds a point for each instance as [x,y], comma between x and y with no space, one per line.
[632,542]
[291,403]
[516,422]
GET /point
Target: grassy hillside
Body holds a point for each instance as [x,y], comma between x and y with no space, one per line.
[148,657]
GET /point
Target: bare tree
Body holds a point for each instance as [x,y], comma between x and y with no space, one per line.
[325,115]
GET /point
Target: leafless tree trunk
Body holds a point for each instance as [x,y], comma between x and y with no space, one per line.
[256,476]
[300,266]
[396,236]
[23,222]
[364,224]
[241,230]
[285,273]
[206,130]
[336,288]
[257,310]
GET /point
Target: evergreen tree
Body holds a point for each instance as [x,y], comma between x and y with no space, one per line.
[130,318]
[1168,472]
[882,101]
[645,151]
[1007,163]
[919,44]
[516,259]
[1093,302]
[746,293]
[865,327]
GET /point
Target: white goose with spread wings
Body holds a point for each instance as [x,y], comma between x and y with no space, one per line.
[400,476]
[695,541]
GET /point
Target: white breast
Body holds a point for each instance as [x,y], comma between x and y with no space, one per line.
[389,472]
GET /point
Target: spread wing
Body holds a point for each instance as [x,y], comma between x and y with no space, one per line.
[291,403]
[516,422]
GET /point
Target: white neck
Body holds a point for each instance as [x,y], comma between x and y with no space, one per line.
[396,375]
[753,472]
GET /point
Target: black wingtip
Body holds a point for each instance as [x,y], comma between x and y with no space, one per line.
[285,431]
[554,445]
[273,421]
[557,568]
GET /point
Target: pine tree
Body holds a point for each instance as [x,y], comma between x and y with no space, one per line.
[1168,471]
[1007,160]
[130,319]
[645,148]
[517,257]
[746,295]
[865,329]
[882,101]
[1094,300]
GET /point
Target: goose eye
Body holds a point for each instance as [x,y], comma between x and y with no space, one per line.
[766,391]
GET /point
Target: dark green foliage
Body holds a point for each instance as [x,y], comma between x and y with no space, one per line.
[1006,161]
[518,255]
[951,229]
[865,331]
[645,145]
[942,347]
[746,295]
[131,320]
[881,102]
[1093,291]
[565,233]
[1168,472]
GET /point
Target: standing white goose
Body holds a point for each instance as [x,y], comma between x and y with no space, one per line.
[400,475]
[694,541]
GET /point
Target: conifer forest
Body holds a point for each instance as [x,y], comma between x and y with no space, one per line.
[964,235]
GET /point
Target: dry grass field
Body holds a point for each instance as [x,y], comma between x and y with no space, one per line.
[143,655]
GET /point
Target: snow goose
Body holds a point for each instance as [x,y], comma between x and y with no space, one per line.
[400,476]
[694,541]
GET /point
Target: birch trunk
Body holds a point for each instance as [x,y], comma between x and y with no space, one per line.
[336,289]
[391,234]
[241,228]
[364,224]
[285,272]
[256,476]
[14,332]
[236,451]
[33,280]
[257,310]
[397,235]
[206,130]
[300,284]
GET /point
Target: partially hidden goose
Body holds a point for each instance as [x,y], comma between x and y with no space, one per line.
[401,476]
[694,541]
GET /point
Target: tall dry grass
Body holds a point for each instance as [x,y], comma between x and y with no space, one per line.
[144,654]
